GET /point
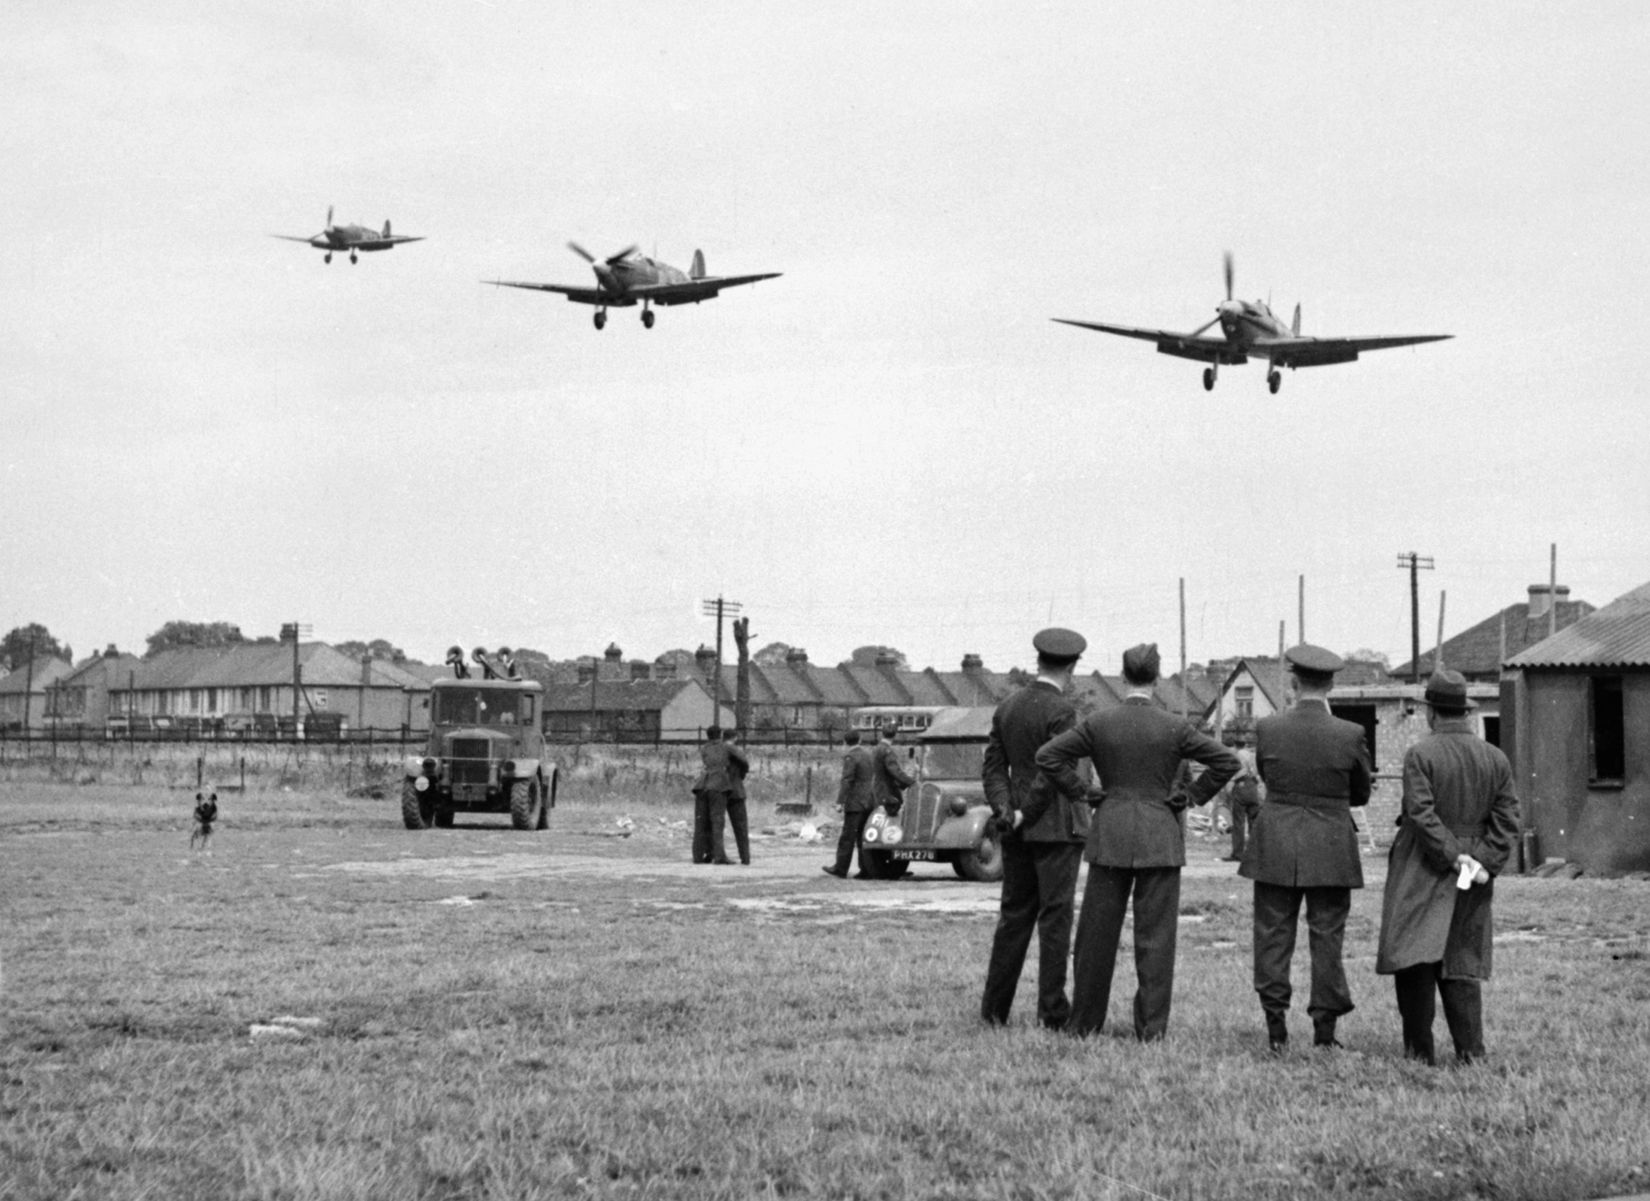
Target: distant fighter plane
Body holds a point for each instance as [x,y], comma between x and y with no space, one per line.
[1252,329]
[625,278]
[350,238]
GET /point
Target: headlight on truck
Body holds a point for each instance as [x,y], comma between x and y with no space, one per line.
[422,784]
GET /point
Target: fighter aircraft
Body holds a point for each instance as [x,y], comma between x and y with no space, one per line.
[350,238]
[1250,328]
[625,278]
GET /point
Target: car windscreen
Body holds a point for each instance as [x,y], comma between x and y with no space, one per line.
[953,760]
[476,707]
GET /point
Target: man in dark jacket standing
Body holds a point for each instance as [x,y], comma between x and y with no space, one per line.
[738,768]
[711,794]
[855,796]
[1456,832]
[1041,835]
[1136,841]
[1304,846]
[890,780]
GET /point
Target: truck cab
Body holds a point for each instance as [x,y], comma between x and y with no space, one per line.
[485,754]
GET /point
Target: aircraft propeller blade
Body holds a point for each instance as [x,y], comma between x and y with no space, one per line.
[1228,275]
[329,216]
[622,255]
[581,252]
[1198,332]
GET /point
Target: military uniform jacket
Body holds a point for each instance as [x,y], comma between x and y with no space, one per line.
[1315,767]
[857,792]
[1019,728]
[889,779]
[1137,750]
[718,759]
[1458,799]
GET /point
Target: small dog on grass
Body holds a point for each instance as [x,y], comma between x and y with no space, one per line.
[206,812]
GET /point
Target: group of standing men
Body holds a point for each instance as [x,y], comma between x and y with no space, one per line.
[870,777]
[1455,834]
[719,799]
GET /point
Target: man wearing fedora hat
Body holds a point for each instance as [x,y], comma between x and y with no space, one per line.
[1042,835]
[1137,840]
[1455,834]
[1304,846]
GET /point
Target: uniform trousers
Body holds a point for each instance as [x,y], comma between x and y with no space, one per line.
[741,829]
[1418,988]
[1277,915]
[1099,930]
[1039,890]
[853,829]
[709,813]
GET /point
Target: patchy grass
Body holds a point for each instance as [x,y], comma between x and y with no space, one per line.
[580,1013]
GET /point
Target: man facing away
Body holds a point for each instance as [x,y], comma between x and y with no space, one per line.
[855,796]
[711,797]
[1136,841]
[1041,834]
[1455,834]
[738,768]
[1304,846]
[889,779]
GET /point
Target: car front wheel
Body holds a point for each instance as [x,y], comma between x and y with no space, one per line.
[984,864]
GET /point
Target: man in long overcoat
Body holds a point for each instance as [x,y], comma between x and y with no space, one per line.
[1042,836]
[1137,840]
[1303,845]
[856,797]
[1459,811]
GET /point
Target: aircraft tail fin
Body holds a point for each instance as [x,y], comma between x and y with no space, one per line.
[386,227]
[698,271]
[1294,327]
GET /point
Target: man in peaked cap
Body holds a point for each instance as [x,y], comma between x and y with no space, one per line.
[1455,834]
[1304,846]
[1041,835]
[1136,842]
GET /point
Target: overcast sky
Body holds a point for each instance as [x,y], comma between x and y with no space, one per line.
[892,443]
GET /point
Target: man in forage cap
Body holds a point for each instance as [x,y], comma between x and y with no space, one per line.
[1303,845]
[1455,834]
[1041,835]
[1137,840]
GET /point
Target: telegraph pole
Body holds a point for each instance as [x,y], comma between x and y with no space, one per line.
[296,630]
[718,609]
[1415,563]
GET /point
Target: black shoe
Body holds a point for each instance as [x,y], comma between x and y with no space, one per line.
[722,862]
[839,872]
[1323,1035]
[864,876]
[1277,1034]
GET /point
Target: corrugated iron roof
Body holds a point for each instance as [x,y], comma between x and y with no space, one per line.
[971,722]
[1617,635]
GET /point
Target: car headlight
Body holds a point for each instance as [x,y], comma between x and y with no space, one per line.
[872,834]
[891,834]
[959,806]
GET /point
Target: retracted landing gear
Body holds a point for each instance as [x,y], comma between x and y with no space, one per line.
[352,258]
[1274,380]
[327,258]
[601,318]
[647,318]
[1209,377]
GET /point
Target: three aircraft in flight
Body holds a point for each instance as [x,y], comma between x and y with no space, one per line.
[1251,329]
[351,238]
[626,279]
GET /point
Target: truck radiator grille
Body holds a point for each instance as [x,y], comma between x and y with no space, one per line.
[469,761]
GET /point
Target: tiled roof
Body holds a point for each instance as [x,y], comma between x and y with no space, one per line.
[256,664]
[880,687]
[626,696]
[926,688]
[974,687]
[1617,635]
[48,671]
[1477,651]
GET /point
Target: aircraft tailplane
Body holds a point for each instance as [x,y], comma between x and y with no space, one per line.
[1294,328]
[698,271]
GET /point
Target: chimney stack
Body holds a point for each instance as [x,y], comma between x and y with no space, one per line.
[1543,597]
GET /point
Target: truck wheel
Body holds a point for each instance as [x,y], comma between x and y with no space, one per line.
[883,866]
[415,814]
[982,865]
[524,804]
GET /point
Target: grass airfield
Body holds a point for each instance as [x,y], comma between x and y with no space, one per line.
[326,1005]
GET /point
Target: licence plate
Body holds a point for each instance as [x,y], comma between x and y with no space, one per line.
[912,854]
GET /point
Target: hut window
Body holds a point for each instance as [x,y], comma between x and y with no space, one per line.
[1607,731]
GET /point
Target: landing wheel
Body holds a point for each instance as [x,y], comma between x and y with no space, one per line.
[352,258]
[601,318]
[1274,381]
[647,318]
[1208,379]
[327,258]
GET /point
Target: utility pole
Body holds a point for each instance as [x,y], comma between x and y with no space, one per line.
[296,630]
[1300,620]
[718,609]
[1183,706]
[1415,563]
[1552,592]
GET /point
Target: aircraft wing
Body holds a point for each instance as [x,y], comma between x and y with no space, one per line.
[293,238]
[1319,352]
[695,290]
[383,243]
[576,295]
[1181,345]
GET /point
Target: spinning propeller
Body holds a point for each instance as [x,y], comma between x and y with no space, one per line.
[1220,309]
